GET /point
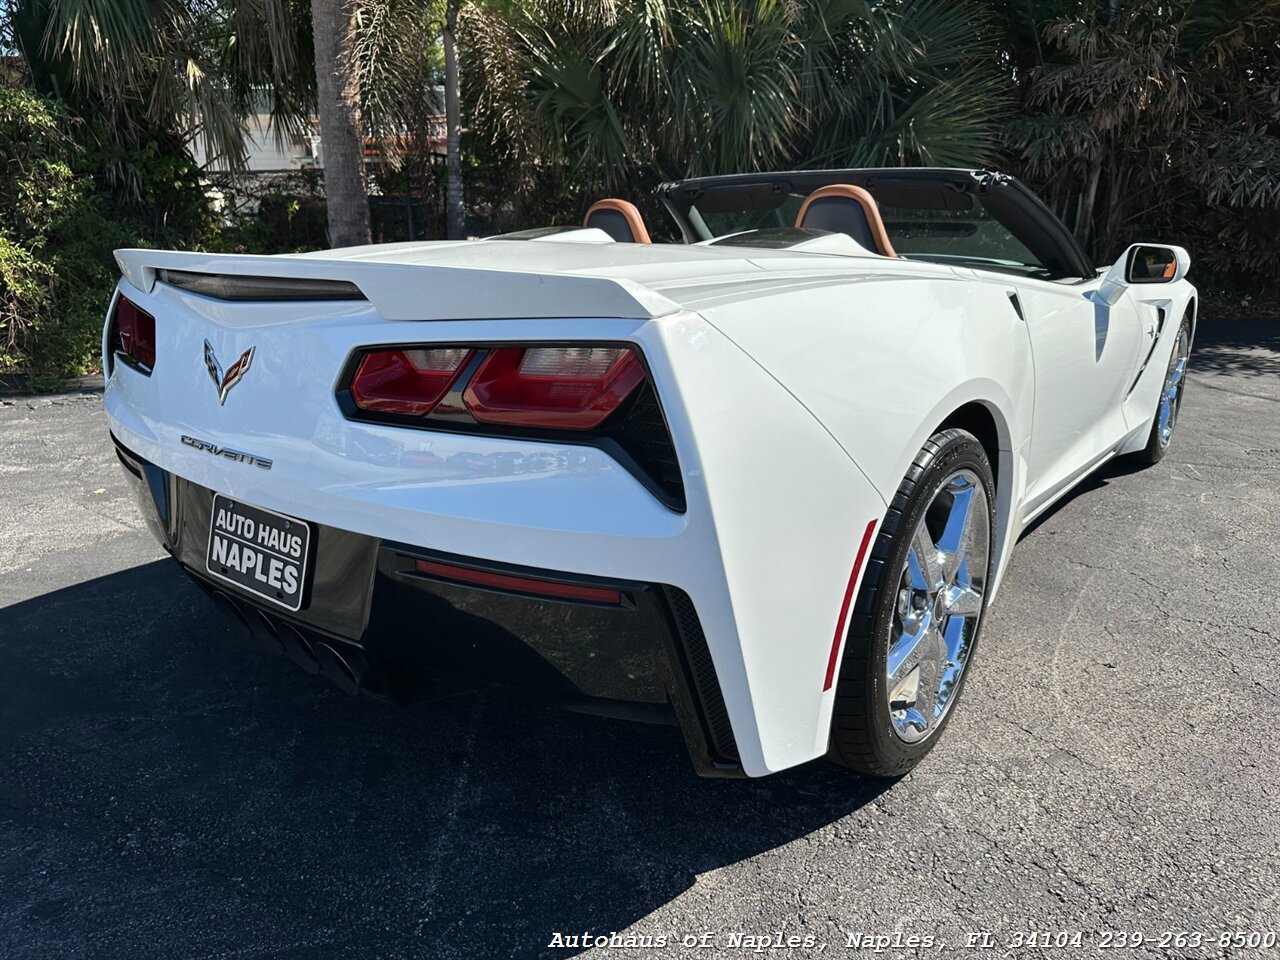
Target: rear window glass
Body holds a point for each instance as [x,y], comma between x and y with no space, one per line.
[923,223]
[946,235]
[721,223]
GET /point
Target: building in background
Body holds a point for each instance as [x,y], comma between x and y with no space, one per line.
[266,152]
[303,150]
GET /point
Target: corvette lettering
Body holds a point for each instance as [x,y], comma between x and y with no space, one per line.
[218,451]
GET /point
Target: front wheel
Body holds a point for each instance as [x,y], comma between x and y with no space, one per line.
[1170,403]
[919,610]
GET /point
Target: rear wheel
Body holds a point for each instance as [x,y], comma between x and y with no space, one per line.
[1170,403]
[918,612]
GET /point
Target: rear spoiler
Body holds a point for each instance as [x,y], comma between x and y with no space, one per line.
[408,291]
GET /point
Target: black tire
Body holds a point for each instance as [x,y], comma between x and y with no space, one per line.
[863,737]
[1155,450]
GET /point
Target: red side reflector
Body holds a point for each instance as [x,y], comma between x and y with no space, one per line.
[842,622]
[135,332]
[410,381]
[567,388]
[502,581]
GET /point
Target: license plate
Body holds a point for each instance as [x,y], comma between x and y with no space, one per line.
[258,550]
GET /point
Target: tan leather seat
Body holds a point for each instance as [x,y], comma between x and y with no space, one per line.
[619,219]
[844,208]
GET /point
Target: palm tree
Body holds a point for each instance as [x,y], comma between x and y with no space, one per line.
[623,94]
[453,123]
[138,71]
[334,25]
[145,70]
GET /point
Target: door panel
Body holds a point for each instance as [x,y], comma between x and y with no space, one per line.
[1086,355]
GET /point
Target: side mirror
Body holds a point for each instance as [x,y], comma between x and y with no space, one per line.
[1143,263]
[1151,263]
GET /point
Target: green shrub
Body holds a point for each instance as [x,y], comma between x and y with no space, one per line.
[56,268]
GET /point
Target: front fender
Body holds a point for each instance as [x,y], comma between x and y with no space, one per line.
[1140,404]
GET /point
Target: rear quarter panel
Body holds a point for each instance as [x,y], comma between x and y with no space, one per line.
[881,362]
[870,367]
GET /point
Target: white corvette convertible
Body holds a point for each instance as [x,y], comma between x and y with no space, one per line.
[764,481]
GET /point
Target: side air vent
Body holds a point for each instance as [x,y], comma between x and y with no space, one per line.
[715,716]
[225,286]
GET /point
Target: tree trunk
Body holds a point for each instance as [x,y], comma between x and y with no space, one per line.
[456,229]
[1084,209]
[341,136]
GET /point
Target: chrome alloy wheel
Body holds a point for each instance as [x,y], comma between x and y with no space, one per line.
[939,603]
[1171,398]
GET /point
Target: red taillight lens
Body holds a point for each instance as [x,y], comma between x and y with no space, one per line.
[504,581]
[407,381]
[135,332]
[568,388]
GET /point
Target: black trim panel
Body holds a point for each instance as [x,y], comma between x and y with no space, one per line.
[696,657]
[240,288]
[373,623]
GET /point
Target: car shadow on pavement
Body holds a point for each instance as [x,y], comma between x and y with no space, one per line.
[1100,478]
[167,791]
[1248,348]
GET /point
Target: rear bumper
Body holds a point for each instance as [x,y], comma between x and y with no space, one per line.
[372,620]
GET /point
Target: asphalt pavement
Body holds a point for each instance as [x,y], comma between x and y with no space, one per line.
[1113,769]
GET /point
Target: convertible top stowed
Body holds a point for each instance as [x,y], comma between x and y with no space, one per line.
[1005,198]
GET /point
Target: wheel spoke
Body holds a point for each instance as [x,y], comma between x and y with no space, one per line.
[1167,412]
[956,535]
[905,655]
[914,718]
[937,605]
[926,701]
[964,602]
[907,692]
[922,561]
[953,641]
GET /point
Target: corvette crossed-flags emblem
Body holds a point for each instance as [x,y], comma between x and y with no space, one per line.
[235,373]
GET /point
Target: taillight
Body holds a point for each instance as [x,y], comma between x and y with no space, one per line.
[135,333]
[518,584]
[568,388]
[600,393]
[407,381]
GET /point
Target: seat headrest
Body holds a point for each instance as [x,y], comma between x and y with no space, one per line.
[619,219]
[844,208]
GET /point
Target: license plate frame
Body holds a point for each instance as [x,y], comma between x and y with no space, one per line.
[280,555]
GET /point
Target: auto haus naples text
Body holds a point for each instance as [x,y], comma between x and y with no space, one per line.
[235,542]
